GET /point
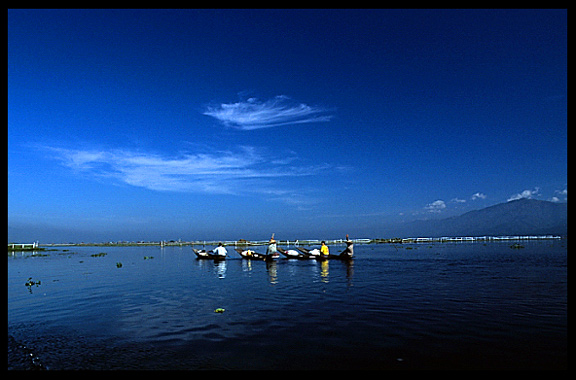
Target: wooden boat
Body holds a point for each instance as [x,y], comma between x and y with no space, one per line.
[290,254]
[312,253]
[203,254]
[321,257]
[249,254]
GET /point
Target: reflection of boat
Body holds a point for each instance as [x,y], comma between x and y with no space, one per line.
[203,254]
[315,253]
[292,254]
[249,254]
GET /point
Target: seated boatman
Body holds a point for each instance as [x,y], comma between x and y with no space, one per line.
[324,249]
[220,250]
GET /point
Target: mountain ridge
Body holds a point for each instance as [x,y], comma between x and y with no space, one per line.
[518,217]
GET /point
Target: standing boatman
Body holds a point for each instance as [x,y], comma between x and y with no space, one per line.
[271,246]
[349,251]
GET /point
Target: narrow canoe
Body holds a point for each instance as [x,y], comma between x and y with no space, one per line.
[323,257]
[290,254]
[249,254]
[203,254]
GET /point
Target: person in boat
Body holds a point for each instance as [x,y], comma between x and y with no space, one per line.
[349,251]
[220,250]
[324,249]
[309,252]
[271,246]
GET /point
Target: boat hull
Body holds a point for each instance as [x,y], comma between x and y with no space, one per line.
[251,255]
[324,257]
[203,255]
[300,256]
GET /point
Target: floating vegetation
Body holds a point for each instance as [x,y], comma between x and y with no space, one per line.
[148,257]
[101,254]
[31,283]
[219,310]
[516,246]
[118,265]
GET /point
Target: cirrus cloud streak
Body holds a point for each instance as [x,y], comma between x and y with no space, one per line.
[278,111]
[243,171]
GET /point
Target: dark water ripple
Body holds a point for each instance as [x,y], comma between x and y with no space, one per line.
[433,306]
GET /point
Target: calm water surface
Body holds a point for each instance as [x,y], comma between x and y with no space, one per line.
[418,306]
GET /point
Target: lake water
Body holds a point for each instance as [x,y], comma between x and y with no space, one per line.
[411,306]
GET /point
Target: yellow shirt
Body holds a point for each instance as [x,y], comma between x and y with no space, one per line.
[324,250]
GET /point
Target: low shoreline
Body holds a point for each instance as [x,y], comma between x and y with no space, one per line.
[16,249]
[172,243]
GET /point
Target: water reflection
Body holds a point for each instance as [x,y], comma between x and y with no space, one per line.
[319,271]
[220,268]
[272,269]
[283,269]
[324,271]
[246,265]
[349,271]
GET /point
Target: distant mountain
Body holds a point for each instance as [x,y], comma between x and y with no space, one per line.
[519,217]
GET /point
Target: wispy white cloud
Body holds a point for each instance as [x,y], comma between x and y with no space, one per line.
[278,111]
[525,194]
[199,172]
[436,206]
[243,171]
[562,193]
[478,195]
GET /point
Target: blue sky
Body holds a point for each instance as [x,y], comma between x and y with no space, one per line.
[230,124]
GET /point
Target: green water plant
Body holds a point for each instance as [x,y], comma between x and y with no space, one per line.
[30,283]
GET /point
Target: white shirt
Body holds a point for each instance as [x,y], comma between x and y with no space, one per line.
[220,251]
